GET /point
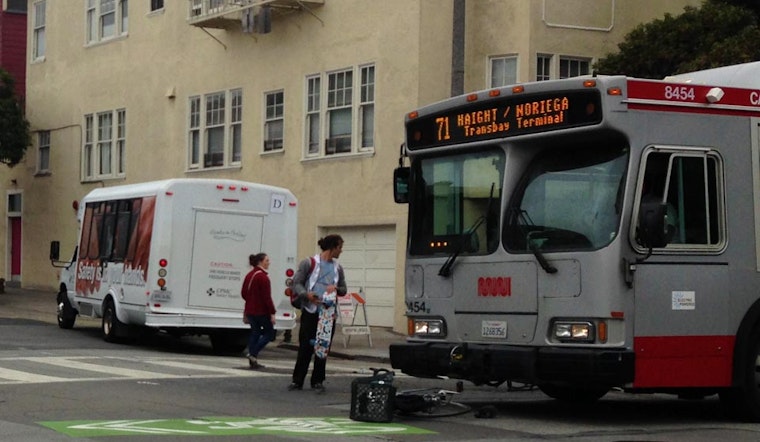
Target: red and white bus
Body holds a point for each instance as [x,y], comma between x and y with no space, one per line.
[171,255]
[588,233]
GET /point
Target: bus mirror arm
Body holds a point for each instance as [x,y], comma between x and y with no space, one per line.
[548,268]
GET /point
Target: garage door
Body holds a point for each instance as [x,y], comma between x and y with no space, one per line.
[369,262]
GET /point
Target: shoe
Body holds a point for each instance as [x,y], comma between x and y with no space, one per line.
[294,386]
[253,363]
[318,388]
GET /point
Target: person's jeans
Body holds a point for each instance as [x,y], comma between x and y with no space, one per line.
[262,332]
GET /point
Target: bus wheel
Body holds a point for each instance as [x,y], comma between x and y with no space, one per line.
[66,313]
[568,393]
[112,328]
[743,401]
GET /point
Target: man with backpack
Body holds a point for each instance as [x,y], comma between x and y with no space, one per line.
[316,279]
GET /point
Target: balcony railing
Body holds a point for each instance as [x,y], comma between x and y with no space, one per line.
[228,14]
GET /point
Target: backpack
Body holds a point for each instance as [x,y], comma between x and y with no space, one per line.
[295,300]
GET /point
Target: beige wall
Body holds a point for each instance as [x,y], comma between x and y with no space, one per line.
[409,43]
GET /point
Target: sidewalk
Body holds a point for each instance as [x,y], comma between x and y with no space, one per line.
[39,305]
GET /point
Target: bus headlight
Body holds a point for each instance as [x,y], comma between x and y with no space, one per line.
[573,331]
[427,327]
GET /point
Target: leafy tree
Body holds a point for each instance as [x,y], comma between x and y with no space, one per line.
[716,34]
[14,129]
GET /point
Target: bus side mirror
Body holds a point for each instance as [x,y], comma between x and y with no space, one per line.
[652,231]
[55,250]
[401,185]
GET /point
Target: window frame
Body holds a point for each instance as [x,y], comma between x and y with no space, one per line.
[712,158]
[96,16]
[156,5]
[39,44]
[43,152]
[504,80]
[330,98]
[101,140]
[544,67]
[274,115]
[572,62]
[222,113]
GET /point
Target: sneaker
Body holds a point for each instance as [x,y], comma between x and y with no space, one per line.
[319,388]
[294,386]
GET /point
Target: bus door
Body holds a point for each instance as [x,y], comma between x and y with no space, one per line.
[682,288]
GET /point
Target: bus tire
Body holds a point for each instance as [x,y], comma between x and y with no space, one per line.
[743,400]
[113,329]
[571,393]
[65,312]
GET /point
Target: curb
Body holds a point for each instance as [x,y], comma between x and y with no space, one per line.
[342,355]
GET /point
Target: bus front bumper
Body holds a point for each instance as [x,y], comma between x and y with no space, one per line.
[484,363]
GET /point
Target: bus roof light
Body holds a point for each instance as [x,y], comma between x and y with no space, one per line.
[472,97]
[614,91]
[589,83]
[413,115]
[518,89]
[494,93]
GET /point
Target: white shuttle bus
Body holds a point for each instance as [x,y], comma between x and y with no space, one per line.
[172,255]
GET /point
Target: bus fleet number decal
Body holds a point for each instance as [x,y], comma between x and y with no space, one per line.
[416,307]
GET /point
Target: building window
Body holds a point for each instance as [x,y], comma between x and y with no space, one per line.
[273,122]
[367,107]
[106,19]
[155,5]
[543,67]
[573,67]
[16,6]
[38,45]
[43,151]
[340,120]
[503,71]
[313,114]
[104,148]
[236,125]
[208,142]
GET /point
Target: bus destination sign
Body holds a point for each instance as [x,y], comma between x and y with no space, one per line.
[505,117]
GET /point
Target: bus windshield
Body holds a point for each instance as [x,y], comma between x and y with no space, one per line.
[455,208]
[569,199]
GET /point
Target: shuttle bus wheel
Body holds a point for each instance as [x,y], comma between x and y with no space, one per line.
[66,313]
[112,328]
[743,401]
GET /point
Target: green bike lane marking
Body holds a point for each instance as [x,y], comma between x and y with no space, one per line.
[233,426]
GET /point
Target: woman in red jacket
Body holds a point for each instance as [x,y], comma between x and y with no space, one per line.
[259,308]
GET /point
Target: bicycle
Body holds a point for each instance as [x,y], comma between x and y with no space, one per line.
[428,402]
[375,399]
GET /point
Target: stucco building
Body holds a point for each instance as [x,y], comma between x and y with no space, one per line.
[305,94]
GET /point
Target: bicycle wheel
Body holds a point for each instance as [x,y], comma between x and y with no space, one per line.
[417,405]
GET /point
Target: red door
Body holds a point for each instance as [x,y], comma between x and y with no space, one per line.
[16,249]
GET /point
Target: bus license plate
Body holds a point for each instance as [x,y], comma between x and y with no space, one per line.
[494,329]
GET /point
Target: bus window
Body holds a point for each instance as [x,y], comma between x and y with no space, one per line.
[569,199]
[109,228]
[123,218]
[96,226]
[133,224]
[456,204]
[688,182]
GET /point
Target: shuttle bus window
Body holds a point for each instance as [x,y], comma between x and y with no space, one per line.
[133,225]
[123,217]
[96,227]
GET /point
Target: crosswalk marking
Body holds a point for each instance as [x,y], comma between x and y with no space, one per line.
[41,369]
[18,376]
